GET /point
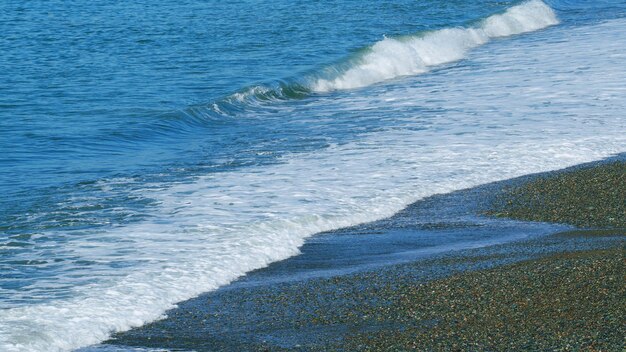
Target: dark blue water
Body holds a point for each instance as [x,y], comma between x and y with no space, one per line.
[94,89]
[211,138]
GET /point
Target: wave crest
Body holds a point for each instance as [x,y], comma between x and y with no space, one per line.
[391,58]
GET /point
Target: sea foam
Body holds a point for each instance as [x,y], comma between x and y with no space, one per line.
[528,107]
[391,58]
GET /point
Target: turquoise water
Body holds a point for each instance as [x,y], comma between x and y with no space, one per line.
[153,151]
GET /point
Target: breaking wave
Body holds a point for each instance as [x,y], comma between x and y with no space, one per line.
[396,57]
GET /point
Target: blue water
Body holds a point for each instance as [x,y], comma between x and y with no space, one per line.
[171,147]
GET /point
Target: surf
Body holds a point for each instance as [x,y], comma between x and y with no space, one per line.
[390,58]
[396,57]
[506,118]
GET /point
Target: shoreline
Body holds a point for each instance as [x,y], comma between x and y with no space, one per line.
[589,197]
[315,302]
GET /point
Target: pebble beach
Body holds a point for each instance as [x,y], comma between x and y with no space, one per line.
[407,175]
[560,292]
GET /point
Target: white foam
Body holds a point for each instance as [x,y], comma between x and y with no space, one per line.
[527,107]
[391,58]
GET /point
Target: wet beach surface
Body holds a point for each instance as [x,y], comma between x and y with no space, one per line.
[438,275]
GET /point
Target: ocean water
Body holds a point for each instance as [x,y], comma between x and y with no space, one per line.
[153,151]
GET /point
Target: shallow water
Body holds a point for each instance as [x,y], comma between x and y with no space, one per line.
[150,153]
[341,271]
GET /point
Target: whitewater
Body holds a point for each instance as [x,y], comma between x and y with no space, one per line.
[396,57]
[511,94]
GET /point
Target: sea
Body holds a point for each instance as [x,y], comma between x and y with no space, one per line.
[152,151]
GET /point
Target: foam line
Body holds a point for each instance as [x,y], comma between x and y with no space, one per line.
[523,111]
